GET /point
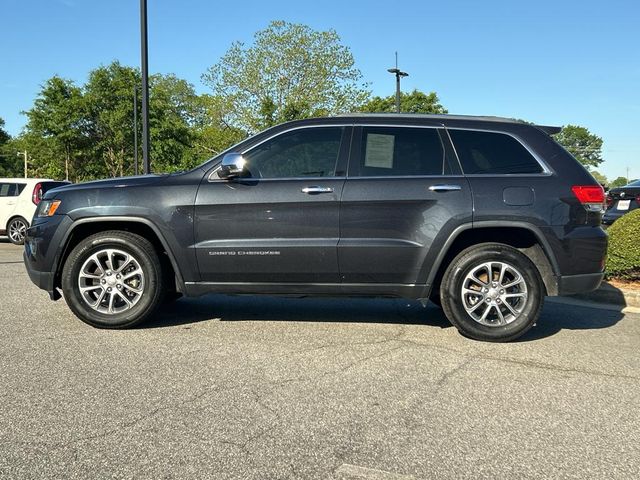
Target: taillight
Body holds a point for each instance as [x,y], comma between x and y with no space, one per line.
[37,194]
[590,196]
[609,201]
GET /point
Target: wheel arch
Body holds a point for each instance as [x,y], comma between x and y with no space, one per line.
[13,216]
[525,237]
[84,227]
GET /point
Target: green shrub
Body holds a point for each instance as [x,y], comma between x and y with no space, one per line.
[623,258]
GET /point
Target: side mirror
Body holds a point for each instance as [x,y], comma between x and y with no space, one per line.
[232,166]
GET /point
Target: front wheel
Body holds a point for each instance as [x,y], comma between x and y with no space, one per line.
[113,279]
[17,230]
[492,292]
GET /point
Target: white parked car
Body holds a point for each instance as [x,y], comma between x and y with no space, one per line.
[19,198]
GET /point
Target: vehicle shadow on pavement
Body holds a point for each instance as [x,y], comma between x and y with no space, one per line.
[229,308]
[557,316]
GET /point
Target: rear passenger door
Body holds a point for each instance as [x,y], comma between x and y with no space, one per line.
[508,182]
[403,196]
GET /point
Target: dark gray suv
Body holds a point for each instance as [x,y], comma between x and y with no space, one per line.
[484,216]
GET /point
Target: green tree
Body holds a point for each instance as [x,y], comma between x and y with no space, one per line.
[4,136]
[600,178]
[88,131]
[212,134]
[174,111]
[290,71]
[618,182]
[109,106]
[9,162]
[5,164]
[414,102]
[57,114]
[582,144]
[45,155]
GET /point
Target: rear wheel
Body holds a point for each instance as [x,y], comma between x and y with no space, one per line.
[492,292]
[113,279]
[17,230]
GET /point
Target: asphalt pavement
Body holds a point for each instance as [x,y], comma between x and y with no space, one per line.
[270,388]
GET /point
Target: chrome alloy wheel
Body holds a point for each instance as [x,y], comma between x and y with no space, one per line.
[111,281]
[494,293]
[17,231]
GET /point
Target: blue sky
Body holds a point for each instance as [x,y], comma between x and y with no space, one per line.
[550,62]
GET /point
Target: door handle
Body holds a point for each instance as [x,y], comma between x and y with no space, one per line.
[444,188]
[314,189]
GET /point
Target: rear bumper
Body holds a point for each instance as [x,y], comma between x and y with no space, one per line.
[572,284]
[611,217]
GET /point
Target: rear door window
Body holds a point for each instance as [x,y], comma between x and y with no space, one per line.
[11,189]
[486,153]
[400,151]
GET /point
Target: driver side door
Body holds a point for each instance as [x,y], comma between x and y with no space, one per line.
[278,224]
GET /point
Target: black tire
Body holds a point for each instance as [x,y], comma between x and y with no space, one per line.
[528,308]
[151,292]
[17,229]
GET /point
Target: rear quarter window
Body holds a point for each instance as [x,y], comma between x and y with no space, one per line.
[492,153]
[11,189]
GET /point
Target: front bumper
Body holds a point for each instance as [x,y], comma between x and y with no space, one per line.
[572,284]
[43,280]
[42,250]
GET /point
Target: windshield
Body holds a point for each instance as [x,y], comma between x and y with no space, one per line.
[634,184]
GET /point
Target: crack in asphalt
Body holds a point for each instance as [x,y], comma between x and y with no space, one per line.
[277,419]
[558,368]
[526,363]
[446,376]
[129,424]
[396,336]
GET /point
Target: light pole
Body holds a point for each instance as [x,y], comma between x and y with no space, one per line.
[25,155]
[135,129]
[145,86]
[398,75]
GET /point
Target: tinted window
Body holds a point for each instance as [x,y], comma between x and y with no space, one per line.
[398,151]
[46,186]
[11,189]
[308,152]
[487,153]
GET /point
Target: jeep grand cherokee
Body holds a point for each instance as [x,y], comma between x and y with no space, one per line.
[484,216]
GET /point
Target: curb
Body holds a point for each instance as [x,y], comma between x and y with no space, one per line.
[612,296]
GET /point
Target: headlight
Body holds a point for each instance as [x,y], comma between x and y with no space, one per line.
[47,208]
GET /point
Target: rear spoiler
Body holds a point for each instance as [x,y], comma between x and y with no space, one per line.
[549,130]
